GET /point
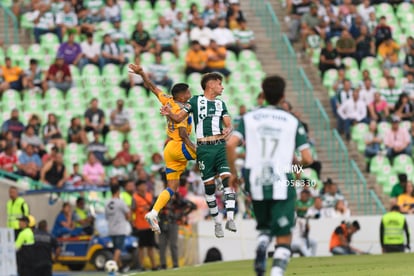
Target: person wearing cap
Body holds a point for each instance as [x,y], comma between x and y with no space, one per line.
[409,61]
[392,228]
[397,140]
[59,75]
[24,248]
[340,243]
[16,208]
[70,50]
[47,249]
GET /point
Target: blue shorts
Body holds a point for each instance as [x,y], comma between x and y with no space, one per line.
[16,85]
[118,241]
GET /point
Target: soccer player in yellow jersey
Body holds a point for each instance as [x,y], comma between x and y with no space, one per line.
[178,149]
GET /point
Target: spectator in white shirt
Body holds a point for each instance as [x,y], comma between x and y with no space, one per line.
[66,19]
[112,11]
[391,93]
[397,139]
[180,27]
[330,194]
[120,118]
[165,37]
[158,73]
[44,22]
[352,111]
[367,92]
[244,37]
[201,33]
[339,211]
[223,36]
[91,52]
[171,13]
[365,9]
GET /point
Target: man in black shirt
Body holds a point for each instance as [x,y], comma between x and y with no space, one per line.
[95,119]
[45,246]
[328,58]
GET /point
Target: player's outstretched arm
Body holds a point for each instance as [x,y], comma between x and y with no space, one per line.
[176,117]
[147,82]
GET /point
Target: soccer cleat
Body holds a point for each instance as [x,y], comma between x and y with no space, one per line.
[260,261]
[231,225]
[153,222]
[218,230]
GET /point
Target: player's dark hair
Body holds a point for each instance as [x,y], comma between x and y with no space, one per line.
[274,89]
[114,189]
[179,88]
[139,182]
[42,225]
[356,225]
[210,76]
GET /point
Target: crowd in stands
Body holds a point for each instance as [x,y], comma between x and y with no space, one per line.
[365,54]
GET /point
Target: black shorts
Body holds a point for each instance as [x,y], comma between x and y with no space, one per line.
[118,241]
[146,238]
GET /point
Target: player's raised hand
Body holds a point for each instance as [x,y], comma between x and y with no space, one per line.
[165,110]
[136,69]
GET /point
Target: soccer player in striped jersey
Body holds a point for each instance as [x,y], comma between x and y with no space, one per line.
[271,136]
[212,126]
[178,149]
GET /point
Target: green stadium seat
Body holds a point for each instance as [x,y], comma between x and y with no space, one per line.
[377,163]
[17,54]
[233,65]
[369,62]
[54,101]
[246,55]
[161,6]
[383,9]
[142,7]
[168,58]
[137,97]
[329,78]
[32,102]
[404,10]
[359,131]
[50,43]
[75,99]
[384,174]
[147,58]
[2,55]
[402,159]
[315,57]
[397,73]
[350,63]
[116,93]
[383,127]
[112,75]
[230,56]
[35,51]
[354,75]
[11,99]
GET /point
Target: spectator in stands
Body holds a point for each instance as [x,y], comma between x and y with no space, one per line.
[213,14]
[201,33]
[216,59]
[44,22]
[121,38]
[397,140]
[98,149]
[329,58]
[133,79]
[244,37]
[296,10]
[59,75]
[111,53]
[346,46]
[365,9]
[76,133]
[193,16]
[309,21]
[171,13]
[70,50]
[93,172]
[119,171]
[304,202]
[95,119]
[52,133]
[373,140]
[180,27]
[365,45]
[64,223]
[339,211]
[378,109]
[165,37]
[343,93]
[12,76]
[34,78]
[8,159]
[406,200]
[141,40]
[54,172]
[196,59]
[408,86]
[29,137]
[76,178]
[382,32]
[391,93]
[372,24]
[67,19]
[158,73]
[96,10]
[409,61]
[388,51]
[91,53]
[330,194]
[30,163]
[112,11]
[223,36]
[82,217]
[86,24]
[120,118]
[367,91]
[398,189]
[234,15]
[340,243]
[404,109]
[14,125]
[47,156]
[125,156]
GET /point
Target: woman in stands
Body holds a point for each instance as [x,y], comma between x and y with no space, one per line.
[404,108]
[52,133]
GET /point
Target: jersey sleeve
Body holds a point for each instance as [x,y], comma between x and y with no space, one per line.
[189,106]
[301,139]
[163,98]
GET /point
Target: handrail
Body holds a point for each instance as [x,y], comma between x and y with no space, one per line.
[377,201]
[8,14]
[347,169]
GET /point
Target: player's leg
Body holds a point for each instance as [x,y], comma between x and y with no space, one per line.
[283,220]
[205,161]
[263,218]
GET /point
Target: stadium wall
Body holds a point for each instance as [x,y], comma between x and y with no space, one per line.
[241,245]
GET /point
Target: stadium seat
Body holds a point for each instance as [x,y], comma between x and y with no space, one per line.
[359,131]
[142,6]
[54,101]
[383,127]
[75,99]
[368,63]
[147,58]
[111,75]
[329,78]
[49,42]
[116,93]
[161,6]
[246,55]
[11,99]
[354,75]
[17,54]
[383,9]
[377,163]
[32,102]
[384,174]
[350,63]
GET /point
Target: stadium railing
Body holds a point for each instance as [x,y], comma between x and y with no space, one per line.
[8,17]
[348,171]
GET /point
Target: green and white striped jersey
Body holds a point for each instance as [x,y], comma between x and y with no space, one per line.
[243,37]
[208,115]
[271,136]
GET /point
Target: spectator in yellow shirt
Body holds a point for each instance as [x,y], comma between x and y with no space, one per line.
[406,200]
[388,50]
[216,59]
[196,59]
[12,76]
